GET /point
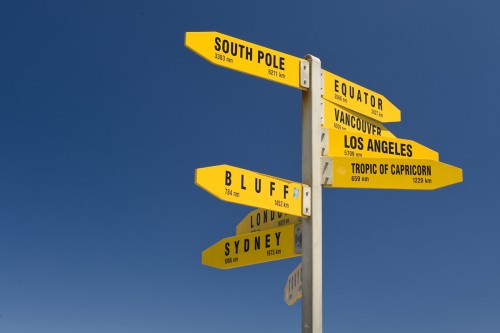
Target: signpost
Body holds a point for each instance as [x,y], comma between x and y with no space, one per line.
[358,152]
[340,118]
[388,173]
[250,188]
[263,219]
[349,144]
[360,99]
[255,248]
[249,58]
[293,286]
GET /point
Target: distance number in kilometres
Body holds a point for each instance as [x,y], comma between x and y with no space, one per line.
[273,252]
[274,72]
[376,113]
[422,180]
[281,203]
[351,153]
[231,193]
[360,179]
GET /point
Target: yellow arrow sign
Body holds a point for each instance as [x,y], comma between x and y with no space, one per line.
[387,173]
[255,248]
[250,188]
[263,219]
[357,98]
[342,143]
[242,56]
[338,117]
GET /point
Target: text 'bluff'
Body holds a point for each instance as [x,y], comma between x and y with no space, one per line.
[257,185]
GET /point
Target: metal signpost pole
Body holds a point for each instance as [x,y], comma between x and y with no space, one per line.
[312,255]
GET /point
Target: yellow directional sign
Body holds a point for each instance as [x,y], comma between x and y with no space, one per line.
[349,144]
[263,219]
[293,286]
[242,56]
[388,173]
[357,98]
[338,117]
[255,248]
[250,188]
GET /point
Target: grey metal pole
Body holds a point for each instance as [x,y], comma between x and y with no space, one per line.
[312,247]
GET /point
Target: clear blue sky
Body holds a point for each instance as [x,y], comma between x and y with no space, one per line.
[105,115]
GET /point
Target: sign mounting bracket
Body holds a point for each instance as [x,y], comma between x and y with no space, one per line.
[304,73]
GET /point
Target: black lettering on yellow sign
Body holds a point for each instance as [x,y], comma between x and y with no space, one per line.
[246,52]
[411,170]
[389,147]
[264,217]
[350,141]
[364,168]
[356,123]
[235,49]
[395,169]
[252,243]
[271,60]
[357,94]
[384,146]
[258,185]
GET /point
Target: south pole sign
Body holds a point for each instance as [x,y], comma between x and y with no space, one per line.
[344,145]
[245,57]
